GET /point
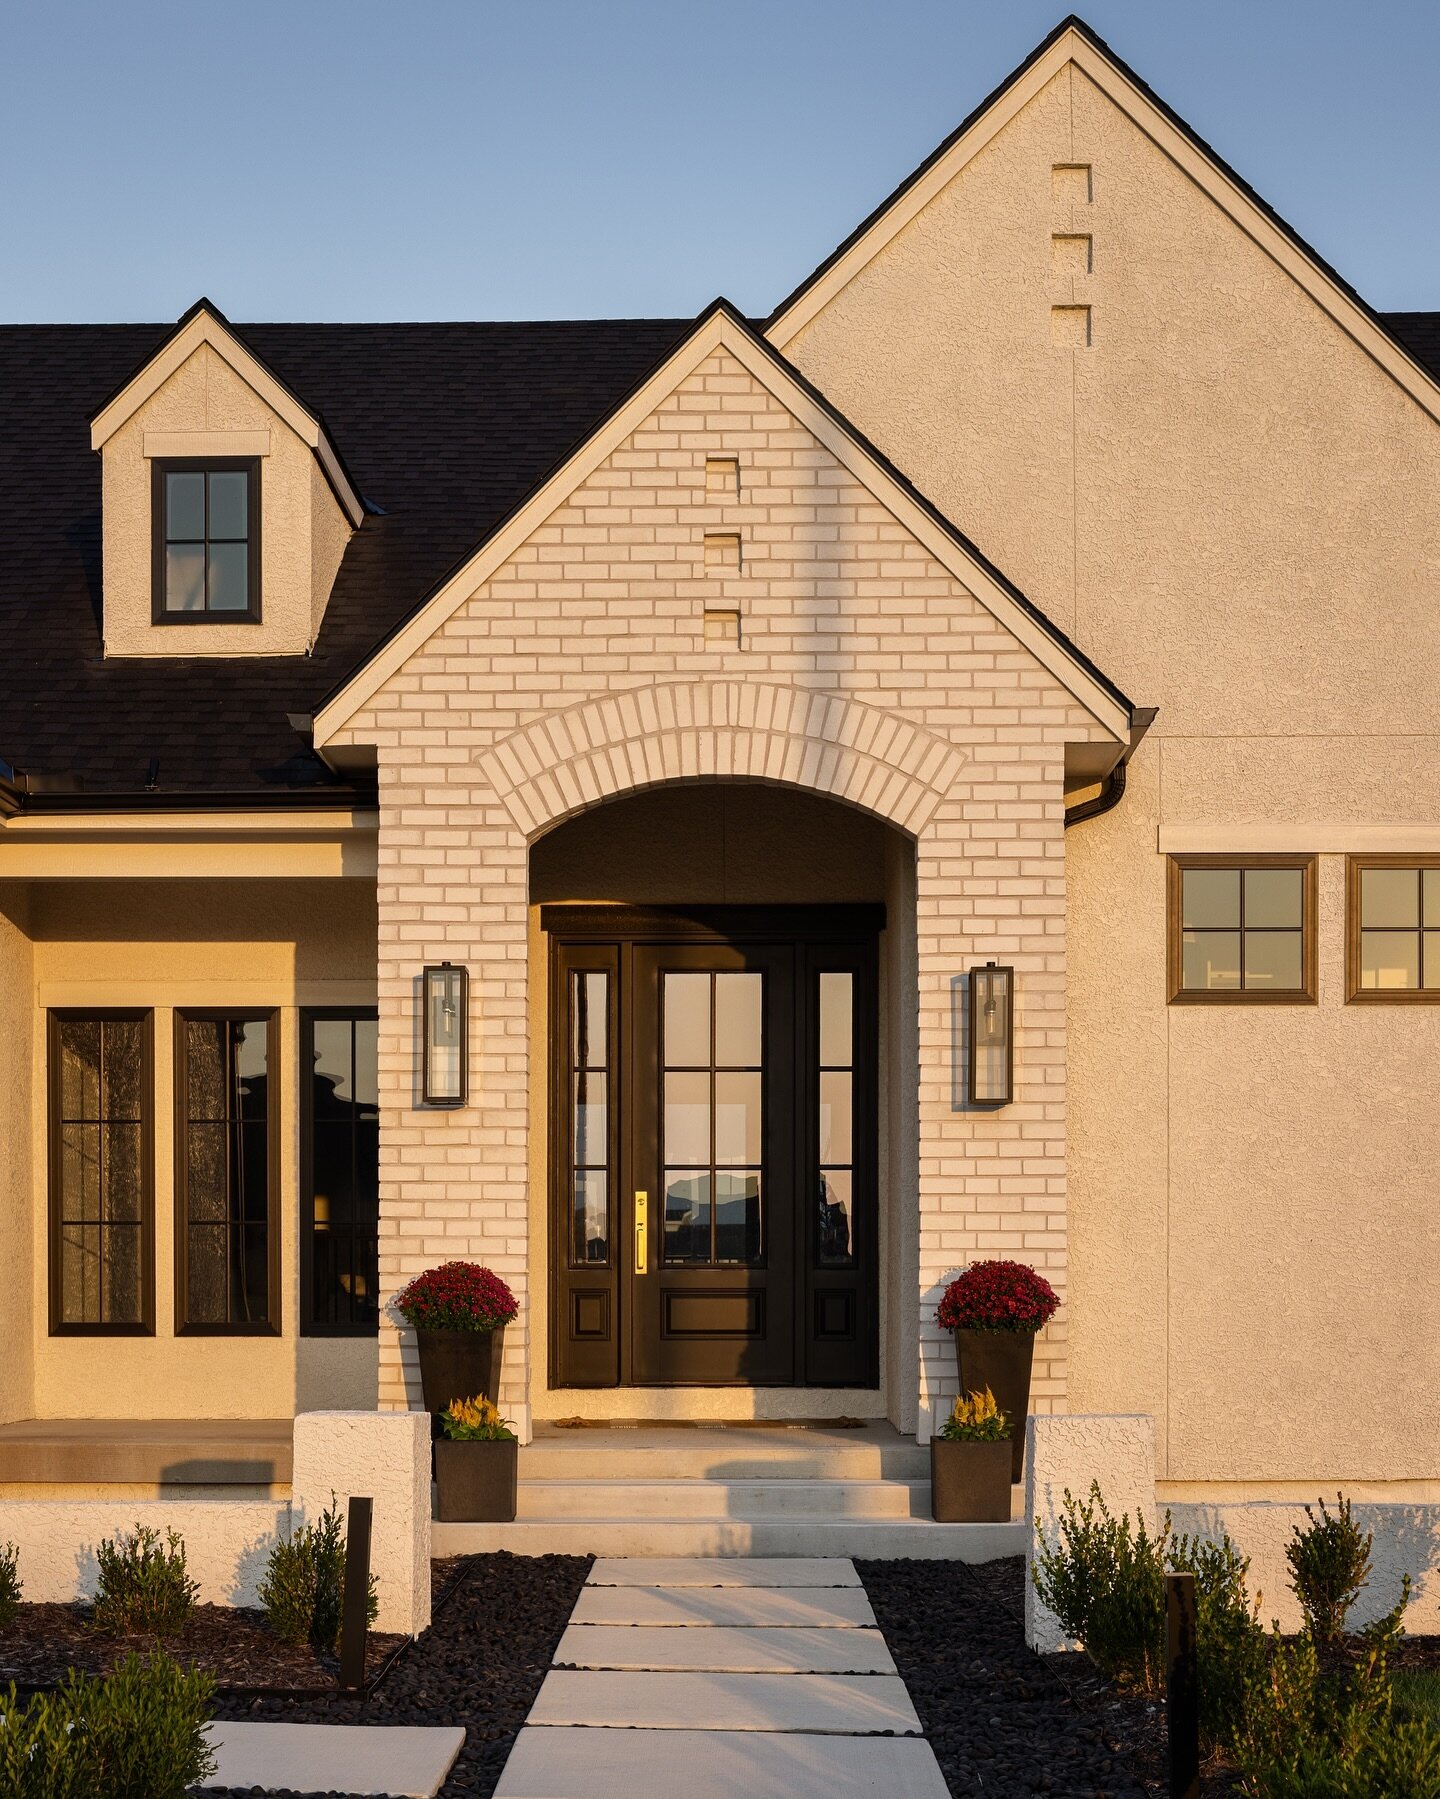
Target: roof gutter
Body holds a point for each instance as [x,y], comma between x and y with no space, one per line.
[1112,788]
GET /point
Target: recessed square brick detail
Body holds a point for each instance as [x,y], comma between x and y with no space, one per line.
[1071,254]
[722,627]
[722,477]
[1070,327]
[1071,183]
[722,553]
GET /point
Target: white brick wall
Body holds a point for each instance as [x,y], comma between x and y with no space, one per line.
[581,670]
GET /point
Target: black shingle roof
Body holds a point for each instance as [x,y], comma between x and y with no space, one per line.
[1420,334]
[443,427]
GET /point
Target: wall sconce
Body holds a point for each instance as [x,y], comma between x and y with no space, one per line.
[444,988]
[992,1035]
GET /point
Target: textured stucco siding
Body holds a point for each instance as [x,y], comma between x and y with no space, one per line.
[303,531]
[1232,507]
[581,671]
[252,944]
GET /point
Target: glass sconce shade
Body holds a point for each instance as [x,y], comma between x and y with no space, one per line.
[992,1035]
[444,988]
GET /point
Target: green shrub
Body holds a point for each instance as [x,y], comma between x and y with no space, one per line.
[1230,1646]
[1329,1564]
[1105,1582]
[1313,1731]
[9,1582]
[304,1585]
[144,1586]
[136,1734]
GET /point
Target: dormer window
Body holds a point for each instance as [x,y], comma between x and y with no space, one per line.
[207,540]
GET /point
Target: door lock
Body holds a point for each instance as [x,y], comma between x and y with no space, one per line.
[642,1229]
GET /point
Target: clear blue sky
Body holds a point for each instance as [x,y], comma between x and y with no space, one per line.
[348,159]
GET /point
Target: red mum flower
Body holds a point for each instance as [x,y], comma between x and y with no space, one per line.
[997,1296]
[457,1296]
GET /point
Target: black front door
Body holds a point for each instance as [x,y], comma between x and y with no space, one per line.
[713,1147]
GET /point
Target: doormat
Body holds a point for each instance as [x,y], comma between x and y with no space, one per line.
[706,1423]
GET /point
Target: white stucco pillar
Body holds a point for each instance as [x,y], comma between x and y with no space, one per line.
[1066,1454]
[385,1456]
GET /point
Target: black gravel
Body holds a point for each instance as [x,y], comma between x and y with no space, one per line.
[479,1665]
[1002,1721]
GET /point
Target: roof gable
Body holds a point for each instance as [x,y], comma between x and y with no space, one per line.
[721,327]
[206,324]
[1073,41]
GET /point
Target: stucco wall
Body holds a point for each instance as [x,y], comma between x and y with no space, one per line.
[167,944]
[582,670]
[17,1079]
[1232,507]
[303,531]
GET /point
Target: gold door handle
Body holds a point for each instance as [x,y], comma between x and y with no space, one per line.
[642,1232]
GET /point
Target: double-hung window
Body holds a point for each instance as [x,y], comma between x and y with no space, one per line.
[227,1276]
[1242,930]
[101,1187]
[206,528]
[339,1173]
[1393,936]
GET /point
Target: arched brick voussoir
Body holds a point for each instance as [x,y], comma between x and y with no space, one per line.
[866,757]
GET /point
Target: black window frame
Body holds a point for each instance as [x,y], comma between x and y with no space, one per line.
[160,467]
[309,1325]
[56,1017]
[269,1016]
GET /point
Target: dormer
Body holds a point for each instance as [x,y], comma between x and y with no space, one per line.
[225,506]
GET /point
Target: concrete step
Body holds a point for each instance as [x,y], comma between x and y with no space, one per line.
[731,1453]
[797,1534]
[768,1498]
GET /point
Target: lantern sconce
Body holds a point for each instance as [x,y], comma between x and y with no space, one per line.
[992,1035]
[444,988]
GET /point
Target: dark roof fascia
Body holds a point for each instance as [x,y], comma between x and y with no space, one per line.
[262,799]
[831,411]
[1097,43]
[205,305]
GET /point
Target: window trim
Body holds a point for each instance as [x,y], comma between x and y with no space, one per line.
[161,466]
[55,1017]
[309,1016]
[269,1016]
[1355,994]
[1307,994]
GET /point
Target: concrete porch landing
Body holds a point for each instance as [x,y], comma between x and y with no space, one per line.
[246,1452]
[729,1490]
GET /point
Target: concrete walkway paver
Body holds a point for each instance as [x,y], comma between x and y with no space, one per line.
[758,1676]
[832,1608]
[399,1761]
[621,1764]
[758,1649]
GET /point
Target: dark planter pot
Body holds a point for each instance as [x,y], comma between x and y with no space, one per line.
[969,1482]
[475,1481]
[459,1365]
[1000,1360]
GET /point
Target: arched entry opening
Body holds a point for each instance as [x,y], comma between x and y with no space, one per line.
[723,1093]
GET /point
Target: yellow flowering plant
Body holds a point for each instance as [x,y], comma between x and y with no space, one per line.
[475,1421]
[976,1419]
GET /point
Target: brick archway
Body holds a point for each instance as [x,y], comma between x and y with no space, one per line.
[561,764]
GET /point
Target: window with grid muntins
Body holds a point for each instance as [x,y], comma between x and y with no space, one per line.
[207,541]
[101,1212]
[1394,929]
[1242,931]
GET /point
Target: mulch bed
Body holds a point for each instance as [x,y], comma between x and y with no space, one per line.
[479,1665]
[1001,1720]
[42,1642]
